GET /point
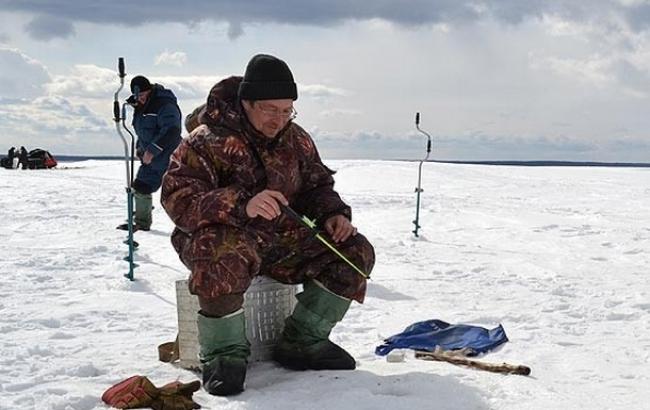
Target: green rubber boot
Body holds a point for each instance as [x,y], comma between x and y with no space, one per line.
[304,344]
[224,352]
[142,211]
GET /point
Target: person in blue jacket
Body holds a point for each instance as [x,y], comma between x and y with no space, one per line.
[157,123]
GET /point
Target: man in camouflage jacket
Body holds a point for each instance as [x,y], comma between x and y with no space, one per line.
[224,188]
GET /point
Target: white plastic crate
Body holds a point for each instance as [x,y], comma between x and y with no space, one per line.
[267,304]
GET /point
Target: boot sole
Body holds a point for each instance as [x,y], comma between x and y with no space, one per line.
[299,364]
[222,389]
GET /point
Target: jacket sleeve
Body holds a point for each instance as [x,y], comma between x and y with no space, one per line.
[169,129]
[317,198]
[191,192]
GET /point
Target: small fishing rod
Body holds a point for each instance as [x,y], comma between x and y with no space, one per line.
[311,225]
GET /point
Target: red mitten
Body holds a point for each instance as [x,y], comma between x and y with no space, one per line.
[177,396]
[133,393]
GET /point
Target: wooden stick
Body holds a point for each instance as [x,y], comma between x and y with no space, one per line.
[458,358]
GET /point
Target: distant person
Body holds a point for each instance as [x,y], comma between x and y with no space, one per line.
[8,162]
[12,160]
[224,190]
[157,123]
[23,158]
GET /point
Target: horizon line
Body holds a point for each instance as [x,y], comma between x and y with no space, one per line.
[534,162]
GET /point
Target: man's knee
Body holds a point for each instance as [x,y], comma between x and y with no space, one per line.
[363,253]
[222,305]
[142,187]
[342,279]
[223,262]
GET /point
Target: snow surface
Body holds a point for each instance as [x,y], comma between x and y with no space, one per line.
[559,256]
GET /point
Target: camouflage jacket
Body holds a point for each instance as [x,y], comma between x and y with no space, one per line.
[224,162]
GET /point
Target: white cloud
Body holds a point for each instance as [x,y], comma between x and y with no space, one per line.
[53,123]
[21,76]
[58,112]
[634,2]
[561,27]
[594,70]
[35,108]
[338,112]
[91,81]
[617,73]
[85,80]
[189,87]
[175,58]
[320,91]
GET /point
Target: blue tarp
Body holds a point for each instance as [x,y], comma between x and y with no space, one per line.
[428,334]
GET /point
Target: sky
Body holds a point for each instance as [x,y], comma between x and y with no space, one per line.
[491,79]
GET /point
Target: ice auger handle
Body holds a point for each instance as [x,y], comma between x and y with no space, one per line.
[120,67]
[116,111]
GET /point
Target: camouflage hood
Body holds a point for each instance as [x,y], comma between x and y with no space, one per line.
[223,109]
[223,106]
[221,99]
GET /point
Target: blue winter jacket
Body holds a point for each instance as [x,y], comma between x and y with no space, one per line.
[158,127]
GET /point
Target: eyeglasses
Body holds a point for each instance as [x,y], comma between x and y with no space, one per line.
[288,114]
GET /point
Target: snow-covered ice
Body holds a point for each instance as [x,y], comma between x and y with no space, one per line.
[558,255]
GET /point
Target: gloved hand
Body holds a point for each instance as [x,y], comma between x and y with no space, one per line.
[132,393]
[177,396]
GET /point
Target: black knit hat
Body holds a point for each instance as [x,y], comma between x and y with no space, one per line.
[267,78]
[141,83]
